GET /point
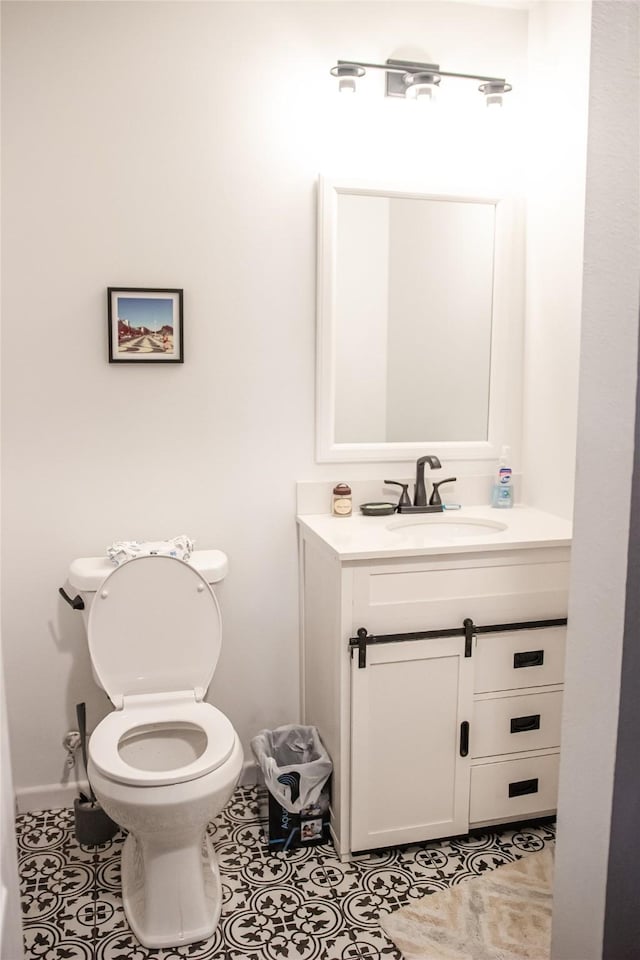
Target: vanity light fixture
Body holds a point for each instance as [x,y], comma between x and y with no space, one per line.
[421,86]
[347,74]
[407,78]
[493,92]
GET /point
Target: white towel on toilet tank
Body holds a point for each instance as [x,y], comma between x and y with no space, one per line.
[121,550]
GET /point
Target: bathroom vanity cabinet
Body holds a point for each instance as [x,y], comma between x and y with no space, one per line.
[445,713]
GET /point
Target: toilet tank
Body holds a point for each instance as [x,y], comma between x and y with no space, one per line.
[86,574]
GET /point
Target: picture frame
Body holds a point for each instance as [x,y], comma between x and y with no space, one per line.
[145,325]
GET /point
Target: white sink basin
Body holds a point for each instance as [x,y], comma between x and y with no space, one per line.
[421,530]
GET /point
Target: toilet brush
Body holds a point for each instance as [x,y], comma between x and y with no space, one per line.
[92,824]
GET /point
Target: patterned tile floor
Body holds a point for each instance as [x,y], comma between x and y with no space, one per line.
[301,905]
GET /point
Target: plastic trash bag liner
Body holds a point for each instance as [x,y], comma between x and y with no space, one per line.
[294,764]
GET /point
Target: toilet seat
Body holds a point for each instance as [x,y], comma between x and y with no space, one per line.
[168,711]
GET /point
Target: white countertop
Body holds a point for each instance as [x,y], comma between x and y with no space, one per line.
[365,538]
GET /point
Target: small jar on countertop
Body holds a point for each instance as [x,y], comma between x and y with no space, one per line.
[342,502]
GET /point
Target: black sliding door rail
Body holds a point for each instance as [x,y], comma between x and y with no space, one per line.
[468,630]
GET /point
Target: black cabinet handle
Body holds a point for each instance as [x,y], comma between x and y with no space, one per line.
[76,602]
[469,634]
[530,658]
[464,738]
[522,787]
[522,724]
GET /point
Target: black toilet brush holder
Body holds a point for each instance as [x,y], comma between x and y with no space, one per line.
[92,824]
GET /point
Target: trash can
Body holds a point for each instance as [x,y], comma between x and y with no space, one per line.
[294,786]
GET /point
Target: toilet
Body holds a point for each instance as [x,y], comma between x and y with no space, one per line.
[164,762]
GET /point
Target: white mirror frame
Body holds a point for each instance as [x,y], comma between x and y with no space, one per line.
[506,332]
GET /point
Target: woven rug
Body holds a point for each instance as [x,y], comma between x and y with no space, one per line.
[502,915]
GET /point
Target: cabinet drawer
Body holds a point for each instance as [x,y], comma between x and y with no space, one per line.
[427,594]
[514,788]
[511,724]
[521,658]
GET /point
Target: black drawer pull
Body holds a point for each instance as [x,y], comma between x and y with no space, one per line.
[530,658]
[522,787]
[522,724]
[464,738]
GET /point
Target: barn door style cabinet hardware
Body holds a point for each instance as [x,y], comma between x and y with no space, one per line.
[468,630]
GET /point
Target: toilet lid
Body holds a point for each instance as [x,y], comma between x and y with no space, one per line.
[154,626]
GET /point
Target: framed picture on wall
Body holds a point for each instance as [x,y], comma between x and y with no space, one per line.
[145,325]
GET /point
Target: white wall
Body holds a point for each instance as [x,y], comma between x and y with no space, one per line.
[178,144]
[556,155]
[606,436]
[10,913]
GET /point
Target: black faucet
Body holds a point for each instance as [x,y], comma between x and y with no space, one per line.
[420,504]
[420,492]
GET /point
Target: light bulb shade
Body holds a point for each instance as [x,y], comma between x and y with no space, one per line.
[421,86]
[347,74]
[347,84]
[422,93]
[494,92]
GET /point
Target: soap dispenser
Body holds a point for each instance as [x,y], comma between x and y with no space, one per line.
[502,496]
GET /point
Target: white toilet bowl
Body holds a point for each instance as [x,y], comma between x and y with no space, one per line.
[170,880]
[163,763]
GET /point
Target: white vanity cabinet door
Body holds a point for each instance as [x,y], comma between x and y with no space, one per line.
[408,780]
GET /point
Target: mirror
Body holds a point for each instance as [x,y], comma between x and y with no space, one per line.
[408,323]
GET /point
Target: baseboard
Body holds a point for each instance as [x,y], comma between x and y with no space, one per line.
[52,796]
